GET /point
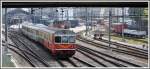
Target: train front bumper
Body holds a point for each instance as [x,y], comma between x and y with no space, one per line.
[65,52]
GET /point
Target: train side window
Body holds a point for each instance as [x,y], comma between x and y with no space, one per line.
[58,39]
[46,36]
[37,33]
[22,27]
[49,37]
[40,34]
[43,35]
[29,30]
[33,31]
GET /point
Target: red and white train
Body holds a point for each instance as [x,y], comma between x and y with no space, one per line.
[61,42]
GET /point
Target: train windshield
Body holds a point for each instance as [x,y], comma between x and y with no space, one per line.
[65,39]
[58,39]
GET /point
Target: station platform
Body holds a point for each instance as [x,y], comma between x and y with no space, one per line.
[10,58]
[7,60]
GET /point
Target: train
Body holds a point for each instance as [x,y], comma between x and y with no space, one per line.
[66,24]
[16,21]
[61,24]
[134,33]
[122,27]
[60,42]
[98,34]
[118,28]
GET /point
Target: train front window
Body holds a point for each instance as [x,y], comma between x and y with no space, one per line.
[64,39]
[58,39]
[71,39]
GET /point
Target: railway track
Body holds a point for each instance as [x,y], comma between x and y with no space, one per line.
[84,62]
[116,61]
[28,52]
[142,55]
[22,55]
[78,59]
[97,61]
[58,60]
[125,46]
[89,53]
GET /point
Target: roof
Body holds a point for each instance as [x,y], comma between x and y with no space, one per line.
[46,28]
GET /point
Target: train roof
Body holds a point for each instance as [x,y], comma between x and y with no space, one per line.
[48,29]
[40,25]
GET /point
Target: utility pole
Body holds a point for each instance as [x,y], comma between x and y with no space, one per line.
[32,15]
[68,18]
[123,25]
[62,12]
[41,14]
[6,31]
[110,21]
[19,21]
[117,16]
[86,21]
[57,15]
[6,52]
[91,18]
[67,15]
